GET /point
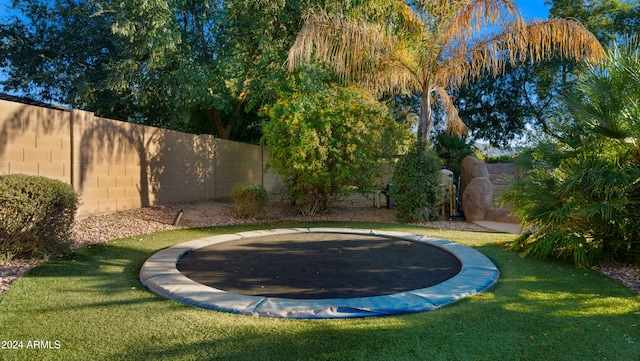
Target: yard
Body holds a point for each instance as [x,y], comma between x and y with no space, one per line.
[91,305]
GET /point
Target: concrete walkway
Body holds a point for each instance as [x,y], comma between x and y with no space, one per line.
[500,227]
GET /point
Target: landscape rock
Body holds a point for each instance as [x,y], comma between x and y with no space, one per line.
[477,198]
[472,168]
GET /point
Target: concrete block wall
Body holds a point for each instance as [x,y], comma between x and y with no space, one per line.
[116,165]
[271,181]
[107,157]
[227,171]
[35,141]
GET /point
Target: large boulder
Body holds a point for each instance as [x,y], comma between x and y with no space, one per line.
[472,168]
[477,198]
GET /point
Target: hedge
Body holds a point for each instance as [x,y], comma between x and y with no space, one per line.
[36,216]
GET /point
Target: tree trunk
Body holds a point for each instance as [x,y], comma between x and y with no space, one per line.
[224,131]
[424,127]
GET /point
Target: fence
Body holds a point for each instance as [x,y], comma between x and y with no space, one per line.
[116,165]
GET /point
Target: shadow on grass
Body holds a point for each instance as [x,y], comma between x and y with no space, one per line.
[92,277]
[528,316]
[482,328]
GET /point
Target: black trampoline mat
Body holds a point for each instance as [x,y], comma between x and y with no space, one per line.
[319,266]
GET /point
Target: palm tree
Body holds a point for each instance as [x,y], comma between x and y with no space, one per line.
[431,46]
[580,196]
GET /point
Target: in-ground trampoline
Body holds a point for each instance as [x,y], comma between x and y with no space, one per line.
[318,273]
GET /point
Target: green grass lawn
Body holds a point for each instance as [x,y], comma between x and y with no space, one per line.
[91,306]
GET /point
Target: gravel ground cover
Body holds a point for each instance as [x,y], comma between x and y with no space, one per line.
[358,208]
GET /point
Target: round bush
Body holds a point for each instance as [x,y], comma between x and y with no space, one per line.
[36,215]
[249,199]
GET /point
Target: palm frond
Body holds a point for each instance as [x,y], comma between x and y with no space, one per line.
[540,40]
[607,103]
[390,46]
[356,51]
[390,12]
[476,14]
[455,125]
[563,37]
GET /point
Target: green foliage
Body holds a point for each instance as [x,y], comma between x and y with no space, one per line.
[36,215]
[502,158]
[497,109]
[249,199]
[581,196]
[430,48]
[57,52]
[327,140]
[452,150]
[607,19]
[416,184]
[196,66]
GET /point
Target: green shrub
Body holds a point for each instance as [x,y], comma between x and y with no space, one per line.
[36,215]
[249,199]
[326,140]
[416,184]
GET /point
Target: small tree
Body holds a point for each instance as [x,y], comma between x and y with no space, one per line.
[327,140]
[416,184]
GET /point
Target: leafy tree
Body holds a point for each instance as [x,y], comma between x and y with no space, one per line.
[527,97]
[606,19]
[580,196]
[121,59]
[190,65]
[325,139]
[40,60]
[150,66]
[249,55]
[497,109]
[525,100]
[431,47]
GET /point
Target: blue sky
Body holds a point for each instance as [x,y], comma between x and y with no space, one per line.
[533,9]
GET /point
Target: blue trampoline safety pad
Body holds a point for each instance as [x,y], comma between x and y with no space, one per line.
[160,275]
